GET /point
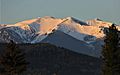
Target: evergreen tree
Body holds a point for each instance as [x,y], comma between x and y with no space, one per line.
[111,52]
[13,60]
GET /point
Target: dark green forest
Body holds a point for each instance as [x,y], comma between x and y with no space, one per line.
[47,59]
[111,52]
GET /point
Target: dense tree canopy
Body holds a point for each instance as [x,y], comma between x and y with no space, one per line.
[111,52]
[12,60]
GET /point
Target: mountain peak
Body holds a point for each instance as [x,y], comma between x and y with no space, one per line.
[98,19]
[48,17]
[69,18]
[76,20]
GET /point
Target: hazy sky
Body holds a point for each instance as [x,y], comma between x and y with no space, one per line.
[12,11]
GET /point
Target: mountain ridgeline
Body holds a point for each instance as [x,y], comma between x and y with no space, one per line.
[84,37]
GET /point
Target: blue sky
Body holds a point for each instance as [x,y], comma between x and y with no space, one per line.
[12,11]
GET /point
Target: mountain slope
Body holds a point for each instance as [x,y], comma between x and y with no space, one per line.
[84,36]
[63,40]
[35,30]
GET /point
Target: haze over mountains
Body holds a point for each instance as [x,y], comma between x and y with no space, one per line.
[80,36]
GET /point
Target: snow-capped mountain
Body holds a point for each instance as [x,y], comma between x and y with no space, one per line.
[86,34]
